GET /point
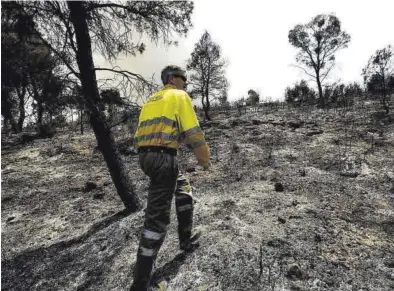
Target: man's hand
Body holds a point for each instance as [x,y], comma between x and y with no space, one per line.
[206,166]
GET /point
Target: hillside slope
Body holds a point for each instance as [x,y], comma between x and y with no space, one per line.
[292,202]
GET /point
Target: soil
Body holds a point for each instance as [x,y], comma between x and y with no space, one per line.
[293,201]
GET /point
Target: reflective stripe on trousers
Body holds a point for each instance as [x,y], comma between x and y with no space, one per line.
[165,181]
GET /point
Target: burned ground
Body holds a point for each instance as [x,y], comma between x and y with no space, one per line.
[292,202]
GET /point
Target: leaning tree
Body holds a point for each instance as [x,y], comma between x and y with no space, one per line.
[74,30]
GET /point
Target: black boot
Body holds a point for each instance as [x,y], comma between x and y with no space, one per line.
[192,243]
[142,273]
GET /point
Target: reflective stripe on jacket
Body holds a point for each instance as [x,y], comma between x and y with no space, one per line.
[167,119]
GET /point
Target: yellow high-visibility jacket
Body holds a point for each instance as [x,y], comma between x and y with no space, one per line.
[168,119]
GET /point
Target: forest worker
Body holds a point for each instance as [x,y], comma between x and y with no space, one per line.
[166,120]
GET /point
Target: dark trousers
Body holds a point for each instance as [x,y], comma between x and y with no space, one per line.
[165,181]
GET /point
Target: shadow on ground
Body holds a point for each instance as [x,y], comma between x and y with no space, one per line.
[75,264]
[170,270]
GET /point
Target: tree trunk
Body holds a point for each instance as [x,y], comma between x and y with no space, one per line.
[81,115]
[22,112]
[104,137]
[321,97]
[10,121]
[206,113]
[207,103]
[40,113]
[384,95]
[385,103]
[40,107]
[202,99]
[6,111]
[206,107]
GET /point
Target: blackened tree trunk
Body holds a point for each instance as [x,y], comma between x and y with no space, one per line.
[206,109]
[81,119]
[22,113]
[207,103]
[386,105]
[104,137]
[6,110]
[320,90]
[40,106]
[10,121]
[385,93]
[384,100]
[40,113]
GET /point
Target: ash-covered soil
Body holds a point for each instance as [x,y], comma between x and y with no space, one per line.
[292,202]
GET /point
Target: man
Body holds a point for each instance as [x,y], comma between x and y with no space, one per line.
[166,120]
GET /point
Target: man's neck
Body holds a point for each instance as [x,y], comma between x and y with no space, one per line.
[169,86]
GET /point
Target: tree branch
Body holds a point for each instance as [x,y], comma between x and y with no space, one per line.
[305,71]
[113,5]
[48,45]
[67,25]
[125,73]
[327,72]
[105,5]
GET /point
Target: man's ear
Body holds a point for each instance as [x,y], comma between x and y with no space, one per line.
[170,79]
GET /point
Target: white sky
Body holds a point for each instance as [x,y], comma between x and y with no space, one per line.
[253,38]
